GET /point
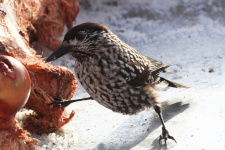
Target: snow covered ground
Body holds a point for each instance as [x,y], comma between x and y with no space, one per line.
[189,35]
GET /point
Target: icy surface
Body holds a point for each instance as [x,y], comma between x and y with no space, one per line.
[189,35]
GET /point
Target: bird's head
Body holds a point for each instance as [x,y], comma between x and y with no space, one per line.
[81,41]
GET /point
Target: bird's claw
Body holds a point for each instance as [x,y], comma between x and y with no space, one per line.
[165,135]
[60,103]
[64,103]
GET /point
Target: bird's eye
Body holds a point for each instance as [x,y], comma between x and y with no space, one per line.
[81,35]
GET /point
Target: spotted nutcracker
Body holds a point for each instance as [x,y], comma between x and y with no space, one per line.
[112,72]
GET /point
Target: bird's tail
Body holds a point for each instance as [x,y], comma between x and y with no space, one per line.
[172,83]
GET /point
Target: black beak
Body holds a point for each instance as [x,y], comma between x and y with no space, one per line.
[62,50]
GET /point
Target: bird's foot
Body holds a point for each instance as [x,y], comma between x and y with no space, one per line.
[165,135]
[60,102]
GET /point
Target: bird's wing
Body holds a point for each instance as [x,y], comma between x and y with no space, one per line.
[156,66]
[149,74]
[145,73]
[140,78]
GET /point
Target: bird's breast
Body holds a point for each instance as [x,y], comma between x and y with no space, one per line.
[102,79]
[97,75]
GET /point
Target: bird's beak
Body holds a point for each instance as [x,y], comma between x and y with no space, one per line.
[62,50]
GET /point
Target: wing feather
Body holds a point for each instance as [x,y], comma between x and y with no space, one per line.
[149,74]
[146,73]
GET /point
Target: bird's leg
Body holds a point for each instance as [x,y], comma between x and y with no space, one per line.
[165,134]
[64,103]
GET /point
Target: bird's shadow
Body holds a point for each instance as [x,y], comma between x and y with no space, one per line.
[128,135]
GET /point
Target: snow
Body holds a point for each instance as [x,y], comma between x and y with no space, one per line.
[189,35]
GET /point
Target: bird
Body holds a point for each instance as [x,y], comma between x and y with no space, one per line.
[113,73]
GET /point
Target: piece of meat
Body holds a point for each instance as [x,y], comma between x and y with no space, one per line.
[48,81]
[44,20]
[13,137]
